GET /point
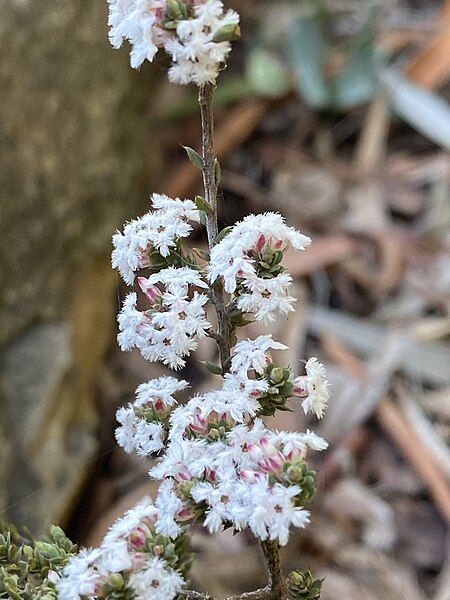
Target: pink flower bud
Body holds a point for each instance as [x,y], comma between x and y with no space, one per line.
[278,244]
[139,560]
[151,291]
[183,475]
[138,537]
[144,260]
[255,451]
[249,476]
[299,386]
[198,424]
[185,514]
[268,448]
[158,404]
[260,243]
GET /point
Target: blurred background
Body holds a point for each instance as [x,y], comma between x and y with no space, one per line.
[333,112]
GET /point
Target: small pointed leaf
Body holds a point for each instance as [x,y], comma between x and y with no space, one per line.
[194,157]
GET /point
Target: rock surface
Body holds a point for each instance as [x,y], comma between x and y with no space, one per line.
[74,167]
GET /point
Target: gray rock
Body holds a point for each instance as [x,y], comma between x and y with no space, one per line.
[49,440]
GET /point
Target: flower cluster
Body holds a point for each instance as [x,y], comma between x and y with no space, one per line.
[196,34]
[133,561]
[151,238]
[223,467]
[218,462]
[144,424]
[168,329]
[248,260]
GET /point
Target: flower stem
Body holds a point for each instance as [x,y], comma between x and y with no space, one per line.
[205,99]
[275,590]
[277,587]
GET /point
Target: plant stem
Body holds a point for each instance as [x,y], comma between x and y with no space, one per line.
[271,549]
[275,590]
[205,99]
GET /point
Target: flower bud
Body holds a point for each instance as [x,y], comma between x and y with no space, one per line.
[227,33]
[150,290]
[214,434]
[277,375]
[294,473]
[158,550]
[260,243]
[138,537]
[185,514]
[267,446]
[116,581]
[173,10]
[248,476]
[300,386]
[255,451]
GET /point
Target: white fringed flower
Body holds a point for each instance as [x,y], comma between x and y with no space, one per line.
[314,387]
[158,230]
[143,424]
[230,258]
[80,577]
[168,332]
[187,30]
[156,581]
[159,390]
[266,298]
[253,354]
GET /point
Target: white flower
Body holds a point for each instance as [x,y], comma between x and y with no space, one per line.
[156,581]
[125,433]
[157,230]
[168,505]
[293,441]
[266,297]
[168,332]
[316,388]
[115,557]
[159,390]
[79,577]
[144,511]
[230,257]
[135,433]
[273,511]
[252,354]
[131,323]
[178,280]
[195,57]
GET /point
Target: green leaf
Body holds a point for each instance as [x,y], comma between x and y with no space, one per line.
[422,109]
[267,74]
[213,368]
[194,157]
[357,82]
[307,46]
[201,204]
[225,231]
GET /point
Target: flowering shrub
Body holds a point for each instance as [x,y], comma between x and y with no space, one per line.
[218,463]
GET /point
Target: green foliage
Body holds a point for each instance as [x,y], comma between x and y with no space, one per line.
[194,157]
[25,564]
[302,586]
[309,47]
[266,73]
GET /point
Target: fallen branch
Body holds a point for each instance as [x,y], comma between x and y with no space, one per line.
[395,423]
